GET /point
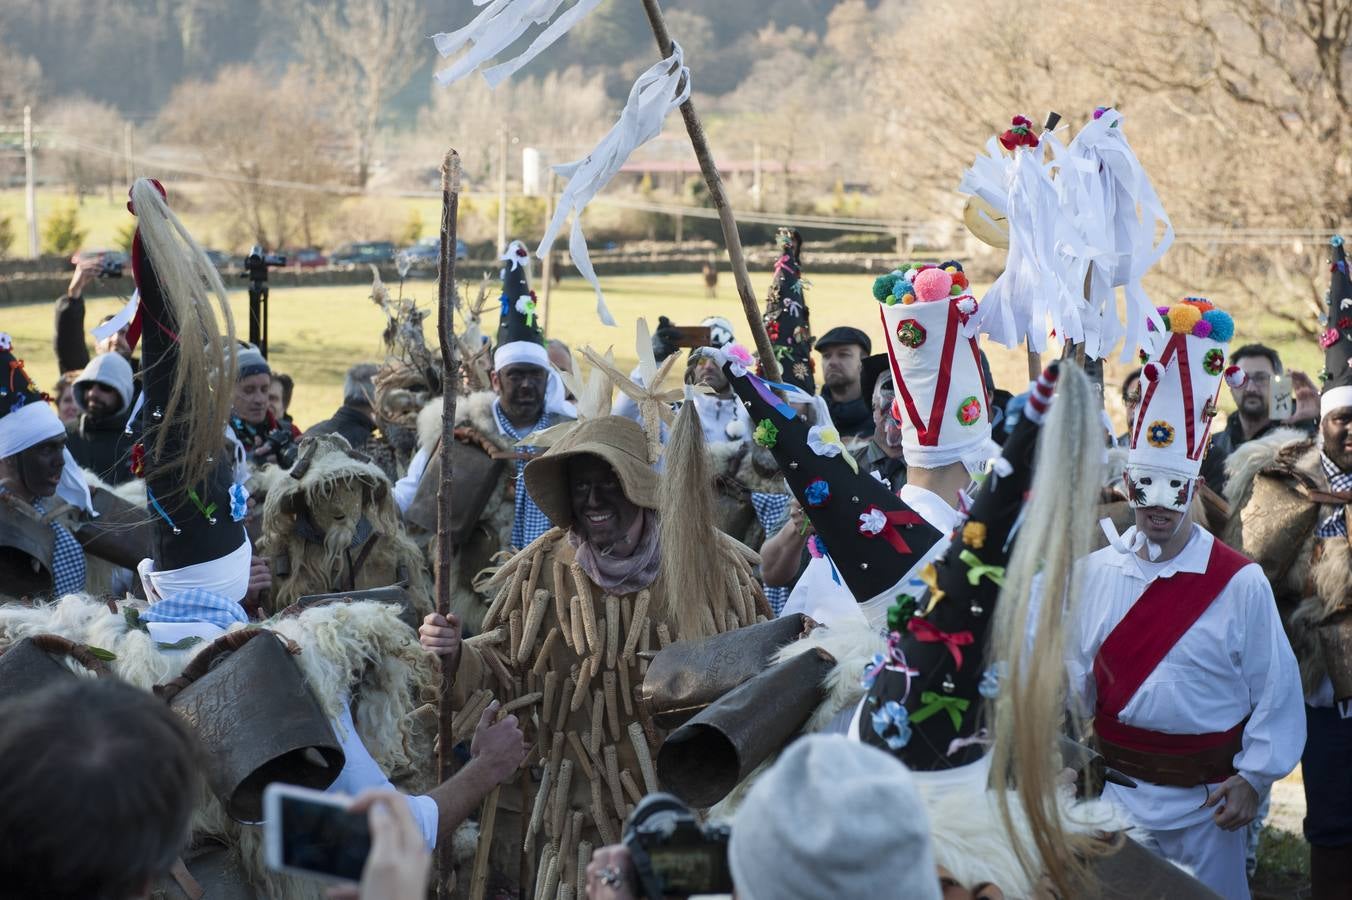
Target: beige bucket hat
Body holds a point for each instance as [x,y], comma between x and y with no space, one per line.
[615,439]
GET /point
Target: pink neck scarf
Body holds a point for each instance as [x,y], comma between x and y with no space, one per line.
[623,575]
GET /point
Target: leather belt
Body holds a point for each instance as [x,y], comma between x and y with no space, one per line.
[1173,767]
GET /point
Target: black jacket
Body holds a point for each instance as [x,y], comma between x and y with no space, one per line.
[852,418]
[352,422]
[102,446]
[68,338]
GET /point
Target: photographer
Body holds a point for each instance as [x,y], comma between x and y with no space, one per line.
[832,818]
[265,439]
[68,340]
[355,420]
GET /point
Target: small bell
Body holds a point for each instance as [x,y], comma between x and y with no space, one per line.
[948,685]
[854,499]
[157,415]
[864,566]
[794,464]
[977,608]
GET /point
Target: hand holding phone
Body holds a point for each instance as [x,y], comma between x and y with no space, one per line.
[1282,399]
[314,834]
[399,863]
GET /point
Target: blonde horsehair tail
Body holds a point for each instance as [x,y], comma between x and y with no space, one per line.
[1057,532]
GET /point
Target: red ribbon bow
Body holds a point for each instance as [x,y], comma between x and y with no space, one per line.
[895,519]
[924,631]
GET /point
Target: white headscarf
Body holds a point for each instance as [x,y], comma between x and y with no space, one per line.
[33,424]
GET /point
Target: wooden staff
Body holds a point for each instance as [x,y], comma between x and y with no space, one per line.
[450,377]
[731,239]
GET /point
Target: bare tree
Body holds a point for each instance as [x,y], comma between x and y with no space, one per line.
[366,50]
[87,137]
[271,143]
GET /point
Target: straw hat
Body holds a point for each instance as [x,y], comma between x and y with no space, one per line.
[615,439]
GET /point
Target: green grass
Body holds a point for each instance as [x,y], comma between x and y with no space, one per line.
[317,333]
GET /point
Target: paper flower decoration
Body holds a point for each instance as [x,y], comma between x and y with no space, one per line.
[817,493]
[1329,338]
[969,411]
[872,521]
[990,684]
[239,502]
[6,342]
[910,333]
[767,435]
[891,723]
[824,440]
[1214,361]
[1160,434]
[1019,135]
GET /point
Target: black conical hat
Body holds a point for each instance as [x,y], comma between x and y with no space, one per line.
[939,696]
[519,320]
[195,525]
[17,390]
[786,314]
[873,558]
[1337,336]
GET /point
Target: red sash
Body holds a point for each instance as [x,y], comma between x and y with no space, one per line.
[1138,644]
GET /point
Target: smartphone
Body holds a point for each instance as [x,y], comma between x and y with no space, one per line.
[1282,401]
[692,336]
[311,833]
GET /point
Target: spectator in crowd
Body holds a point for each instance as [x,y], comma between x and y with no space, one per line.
[843,350]
[1131,399]
[810,828]
[100,439]
[98,791]
[355,420]
[265,439]
[881,455]
[722,416]
[560,355]
[72,353]
[63,395]
[280,391]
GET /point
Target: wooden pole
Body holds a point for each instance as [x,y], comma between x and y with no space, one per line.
[547,270]
[450,380]
[731,239]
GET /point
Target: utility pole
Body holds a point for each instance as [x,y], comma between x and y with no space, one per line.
[126,152]
[30,189]
[756,188]
[502,189]
[547,269]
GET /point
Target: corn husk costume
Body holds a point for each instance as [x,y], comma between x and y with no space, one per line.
[346,674]
[566,652]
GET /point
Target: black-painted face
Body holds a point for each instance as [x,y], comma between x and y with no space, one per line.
[1336,429]
[602,514]
[521,390]
[40,467]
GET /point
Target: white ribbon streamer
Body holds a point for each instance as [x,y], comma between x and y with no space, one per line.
[121,319]
[1129,542]
[497,28]
[656,93]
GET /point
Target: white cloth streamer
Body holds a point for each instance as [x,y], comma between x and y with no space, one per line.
[497,28]
[656,93]
[121,319]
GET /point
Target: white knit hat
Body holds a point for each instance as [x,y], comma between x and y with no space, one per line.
[833,818]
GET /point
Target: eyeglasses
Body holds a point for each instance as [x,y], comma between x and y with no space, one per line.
[1260,379]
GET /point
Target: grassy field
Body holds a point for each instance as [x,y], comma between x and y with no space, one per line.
[317,333]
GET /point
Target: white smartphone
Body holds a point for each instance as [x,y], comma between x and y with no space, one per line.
[311,833]
[1282,403]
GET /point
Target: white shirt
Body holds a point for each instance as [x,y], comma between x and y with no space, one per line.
[819,596]
[406,488]
[1234,662]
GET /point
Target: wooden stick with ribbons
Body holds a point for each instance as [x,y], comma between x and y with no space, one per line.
[731,239]
[450,380]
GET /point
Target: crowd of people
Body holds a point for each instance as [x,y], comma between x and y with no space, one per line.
[906,633]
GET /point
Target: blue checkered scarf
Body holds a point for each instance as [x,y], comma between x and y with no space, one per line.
[772,511]
[196,606]
[68,558]
[1339,482]
[528,520]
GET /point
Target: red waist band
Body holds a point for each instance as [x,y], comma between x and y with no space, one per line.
[1145,741]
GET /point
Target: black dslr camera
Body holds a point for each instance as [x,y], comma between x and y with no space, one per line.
[257,263]
[279,442]
[110,268]
[674,854]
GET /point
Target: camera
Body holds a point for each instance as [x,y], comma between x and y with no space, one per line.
[257,263]
[110,268]
[279,442]
[675,854]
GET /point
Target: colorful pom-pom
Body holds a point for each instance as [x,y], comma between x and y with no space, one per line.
[817,493]
[883,286]
[1336,240]
[1222,326]
[1182,318]
[932,284]
[1236,377]
[1152,372]
[1201,329]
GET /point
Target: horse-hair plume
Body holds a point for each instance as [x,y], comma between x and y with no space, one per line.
[1029,632]
[194,295]
[689,580]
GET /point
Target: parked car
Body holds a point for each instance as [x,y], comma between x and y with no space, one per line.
[307,258]
[223,261]
[427,253]
[110,261]
[363,252]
